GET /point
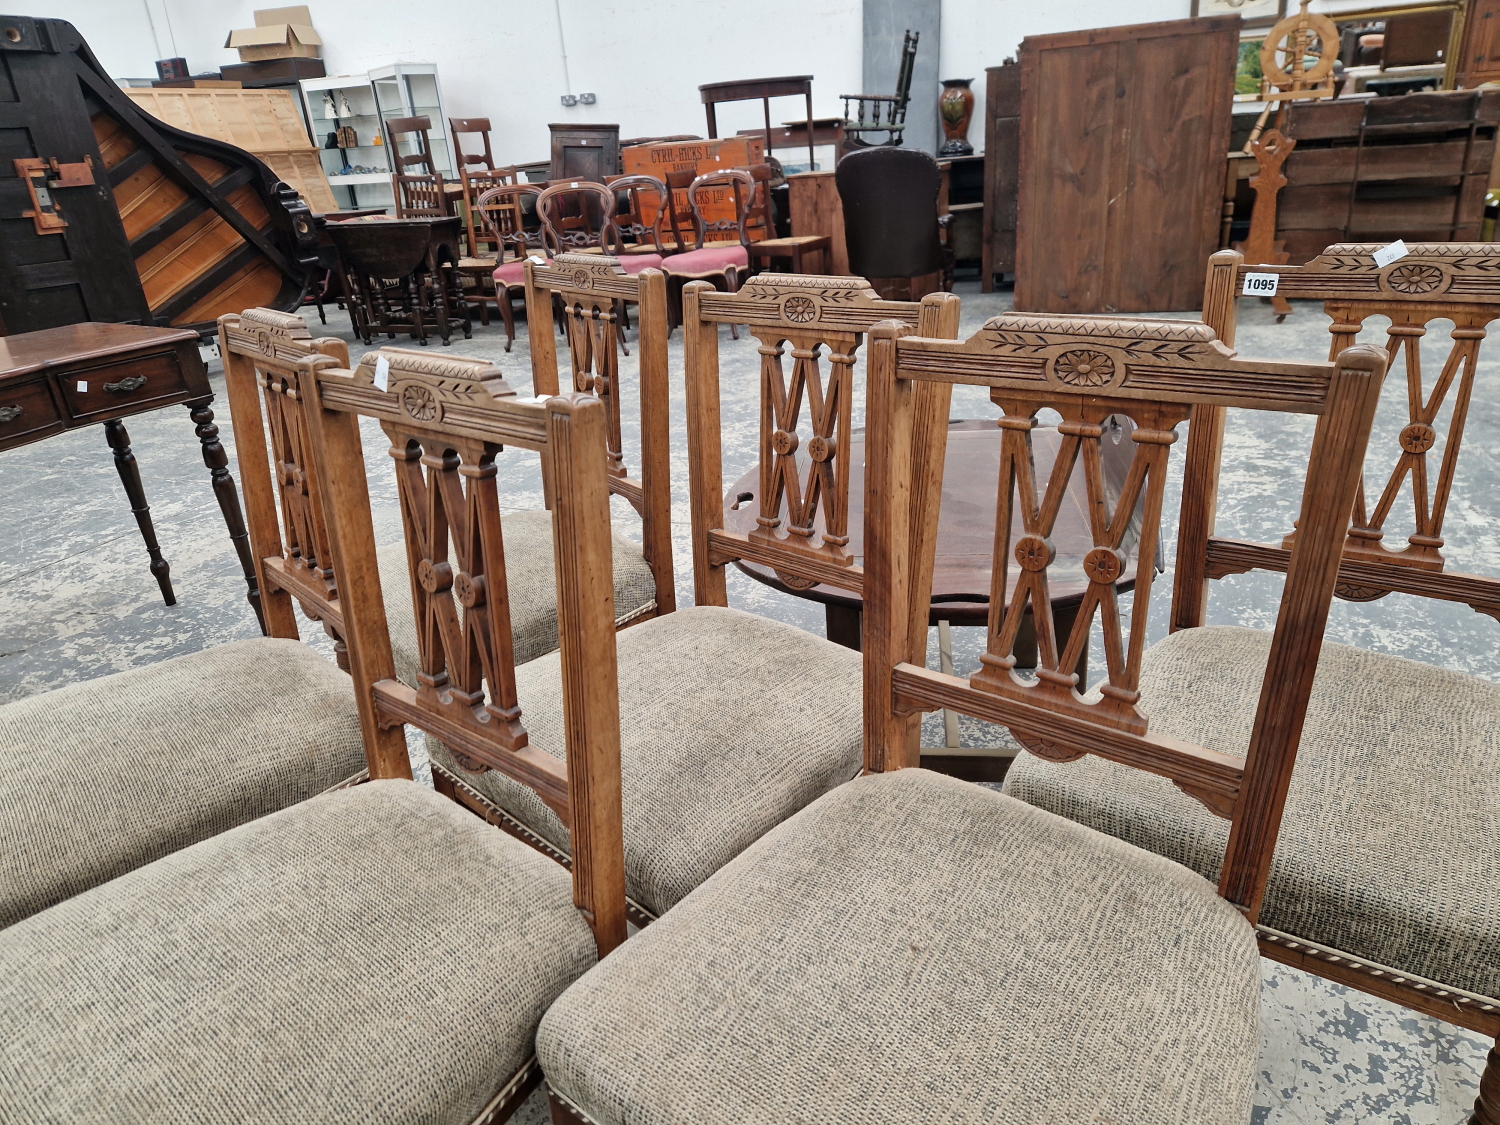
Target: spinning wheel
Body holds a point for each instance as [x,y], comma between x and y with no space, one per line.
[1286,76]
[1284,55]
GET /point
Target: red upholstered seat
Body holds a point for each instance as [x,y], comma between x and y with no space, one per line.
[710,259]
[635,263]
[512,273]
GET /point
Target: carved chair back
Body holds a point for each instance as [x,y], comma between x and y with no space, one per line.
[502,211]
[1091,371]
[419,197]
[1457,282]
[806,421]
[639,219]
[261,350]
[448,420]
[475,184]
[458,126]
[418,127]
[578,214]
[727,185]
[592,290]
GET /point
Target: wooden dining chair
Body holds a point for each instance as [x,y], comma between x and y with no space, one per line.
[483,250]
[795,249]
[915,948]
[701,778]
[502,211]
[579,215]
[641,208]
[419,196]
[418,128]
[375,951]
[459,126]
[1387,878]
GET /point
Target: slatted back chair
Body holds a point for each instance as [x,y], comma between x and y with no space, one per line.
[418,127]
[481,240]
[1089,370]
[261,349]
[446,430]
[1458,282]
[591,288]
[419,197]
[458,126]
[802,525]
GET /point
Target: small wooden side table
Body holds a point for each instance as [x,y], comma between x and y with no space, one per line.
[761,90]
[64,378]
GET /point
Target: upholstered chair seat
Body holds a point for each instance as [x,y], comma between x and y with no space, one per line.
[711,259]
[378,953]
[700,784]
[1388,847]
[100,777]
[915,948]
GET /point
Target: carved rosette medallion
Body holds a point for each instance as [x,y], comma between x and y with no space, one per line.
[1103,564]
[799,309]
[419,404]
[468,590]
[263,342]
[1033,553]
[795,581]
[1042,748]
[784,443]
[1350,593]
[821,449]
[582,279]
[1084,369]
[434,577]
[1415,279]
[1417,438]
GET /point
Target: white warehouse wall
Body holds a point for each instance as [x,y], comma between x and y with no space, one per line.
[644,59]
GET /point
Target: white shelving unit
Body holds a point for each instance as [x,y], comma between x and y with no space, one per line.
[403,90]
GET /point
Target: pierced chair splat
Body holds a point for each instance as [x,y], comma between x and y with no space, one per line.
[964,923]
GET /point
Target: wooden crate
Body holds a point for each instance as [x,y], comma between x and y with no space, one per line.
[263,122]
[694,156]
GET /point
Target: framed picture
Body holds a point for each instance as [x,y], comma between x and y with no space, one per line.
[1255,13]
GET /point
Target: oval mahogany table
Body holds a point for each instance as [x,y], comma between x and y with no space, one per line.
[966,532]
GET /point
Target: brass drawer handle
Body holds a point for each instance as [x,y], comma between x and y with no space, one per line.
[10,413]
[133,383]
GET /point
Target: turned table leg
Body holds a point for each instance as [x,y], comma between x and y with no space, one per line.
[1487,1105]
[217,462]
[130,477]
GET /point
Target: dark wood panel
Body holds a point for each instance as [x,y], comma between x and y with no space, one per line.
[115,389]
[1002,155]
[1123,133]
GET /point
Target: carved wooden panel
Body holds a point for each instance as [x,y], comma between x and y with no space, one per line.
[810,330]
[1096,373]
[594,293]
[1458,282]
[269,345]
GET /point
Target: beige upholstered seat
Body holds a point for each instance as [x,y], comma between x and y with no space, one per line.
[98,778]
[912,948]
[375,954]
[701,779]
[531,584]
[1389,847]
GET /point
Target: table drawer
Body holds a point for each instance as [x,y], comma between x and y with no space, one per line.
[115,389]
[27,412]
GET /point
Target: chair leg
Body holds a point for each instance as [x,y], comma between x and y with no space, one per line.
[1487,1105]
[507,314]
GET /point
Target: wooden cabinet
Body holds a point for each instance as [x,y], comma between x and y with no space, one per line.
[584,152]
[1123,133]
[1479,56]
[1415,166]
[1002,155]
[817,209]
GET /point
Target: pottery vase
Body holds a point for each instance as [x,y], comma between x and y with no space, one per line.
[956,107]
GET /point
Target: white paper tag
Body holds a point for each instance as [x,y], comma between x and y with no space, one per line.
[538,259]
[382,374]
[1388,254]
[1260,285]
[83,387]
